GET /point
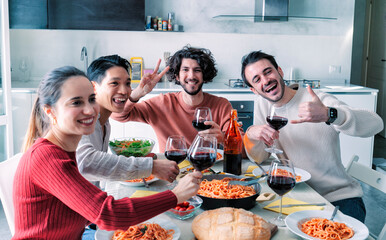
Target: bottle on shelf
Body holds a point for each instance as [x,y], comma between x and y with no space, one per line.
[233,146]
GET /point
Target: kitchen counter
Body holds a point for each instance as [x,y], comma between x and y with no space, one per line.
[212,87]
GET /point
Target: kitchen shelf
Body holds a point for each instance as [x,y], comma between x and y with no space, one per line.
[258,18]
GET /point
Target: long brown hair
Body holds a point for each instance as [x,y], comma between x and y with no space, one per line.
[50,89]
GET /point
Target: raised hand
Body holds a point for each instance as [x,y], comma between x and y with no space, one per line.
[147,83]
[313,111]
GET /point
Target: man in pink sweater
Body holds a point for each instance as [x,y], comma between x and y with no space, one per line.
[172,113]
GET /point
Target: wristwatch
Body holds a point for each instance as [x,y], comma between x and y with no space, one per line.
[332,115]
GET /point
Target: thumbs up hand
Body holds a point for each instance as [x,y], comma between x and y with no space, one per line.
[313,111]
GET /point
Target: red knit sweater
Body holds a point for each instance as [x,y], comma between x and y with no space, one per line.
[53,201]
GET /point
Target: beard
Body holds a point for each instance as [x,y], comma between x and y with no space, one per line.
[281,84]
[194,92]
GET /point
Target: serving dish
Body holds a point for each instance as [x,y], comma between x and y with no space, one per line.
[162,221]
[294,221]
[195,202]
[305,176]
[136,146]
[213,203]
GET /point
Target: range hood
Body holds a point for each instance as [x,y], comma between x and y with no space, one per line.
[269,10]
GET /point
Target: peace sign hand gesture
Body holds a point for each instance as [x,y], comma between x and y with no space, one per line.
[147,83]
[313,111]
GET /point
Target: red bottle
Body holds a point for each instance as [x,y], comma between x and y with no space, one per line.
[233,146]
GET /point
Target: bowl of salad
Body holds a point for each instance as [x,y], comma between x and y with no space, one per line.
[136,146]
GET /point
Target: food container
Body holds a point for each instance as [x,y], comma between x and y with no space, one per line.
[137,147]
[182,215]
[213,203]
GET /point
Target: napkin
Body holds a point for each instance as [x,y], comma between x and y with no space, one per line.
[183,164]
[290,210]
[250,169]
[142,193]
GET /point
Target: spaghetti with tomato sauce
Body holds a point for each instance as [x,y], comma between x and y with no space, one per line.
[221,189]
[145,231]
[151,177]
[323,228]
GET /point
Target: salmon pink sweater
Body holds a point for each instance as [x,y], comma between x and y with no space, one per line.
[53,201]
[168,114]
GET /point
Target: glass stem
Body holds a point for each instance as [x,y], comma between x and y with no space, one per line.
[274,145]
[281,204]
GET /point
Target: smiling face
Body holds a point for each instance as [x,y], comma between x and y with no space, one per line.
[266,80]
[114,90]
[190,76]
[76,111]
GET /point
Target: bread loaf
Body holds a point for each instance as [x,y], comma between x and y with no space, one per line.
[230,224]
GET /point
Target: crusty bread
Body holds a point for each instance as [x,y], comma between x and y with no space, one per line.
[230,224]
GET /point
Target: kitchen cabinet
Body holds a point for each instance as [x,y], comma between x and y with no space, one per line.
[22,102]
[78,14]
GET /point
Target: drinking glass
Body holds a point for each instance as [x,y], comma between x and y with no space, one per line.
[201,114]
[203,152]
[276,122]
[176,149]
[281,179]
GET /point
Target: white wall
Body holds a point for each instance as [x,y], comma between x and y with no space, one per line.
[309,46]
[310,55]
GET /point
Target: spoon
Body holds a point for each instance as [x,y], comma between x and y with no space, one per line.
[334,213]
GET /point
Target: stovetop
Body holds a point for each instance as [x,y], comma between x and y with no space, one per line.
[236,83]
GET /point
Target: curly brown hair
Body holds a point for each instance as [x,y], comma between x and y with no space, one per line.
[203,57]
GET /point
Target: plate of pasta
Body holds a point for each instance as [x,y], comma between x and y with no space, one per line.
[138,182]
[301,175]
[314,224]
[159,225]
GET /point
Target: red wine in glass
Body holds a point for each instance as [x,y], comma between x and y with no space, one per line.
[176,155]
[277,122]
[200,126]
[202,160]
[281,184]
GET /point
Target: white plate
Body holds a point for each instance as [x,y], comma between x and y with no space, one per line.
[305,176]
[163,221]
[294,220]
[138,184]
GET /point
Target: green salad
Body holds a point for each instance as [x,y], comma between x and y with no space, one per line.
[133,147]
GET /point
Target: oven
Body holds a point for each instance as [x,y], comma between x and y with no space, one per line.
[244,112]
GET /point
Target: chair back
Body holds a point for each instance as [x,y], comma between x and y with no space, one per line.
[367,175]
[7,173]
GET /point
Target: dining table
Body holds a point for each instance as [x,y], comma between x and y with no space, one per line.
[302,191]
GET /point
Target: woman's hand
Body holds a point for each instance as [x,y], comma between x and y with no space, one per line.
[188,186]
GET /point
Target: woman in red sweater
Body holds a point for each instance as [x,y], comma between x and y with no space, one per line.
[51,198]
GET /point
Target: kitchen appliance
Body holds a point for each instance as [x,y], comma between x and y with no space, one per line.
[303,83]
[245,112]
[236,83]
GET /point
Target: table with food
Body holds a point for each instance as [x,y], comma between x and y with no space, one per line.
[224,209]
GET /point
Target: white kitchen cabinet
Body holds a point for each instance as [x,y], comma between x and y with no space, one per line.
[22,102]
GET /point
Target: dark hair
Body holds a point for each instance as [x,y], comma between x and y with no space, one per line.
[252,58]
[49,92]
[97,69]
[203,57]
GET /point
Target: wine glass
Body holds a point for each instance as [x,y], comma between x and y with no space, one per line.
[281,179]
[24,67]
[203,152]
[202,114]
[276,122]
[176,149]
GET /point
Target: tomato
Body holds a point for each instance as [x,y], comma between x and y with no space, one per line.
[186,204]
[182,209]
[177,208]
[190,207]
